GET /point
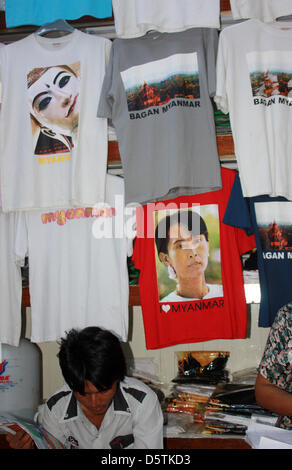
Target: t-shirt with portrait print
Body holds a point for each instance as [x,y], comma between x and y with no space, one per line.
[53,147]
[202,266]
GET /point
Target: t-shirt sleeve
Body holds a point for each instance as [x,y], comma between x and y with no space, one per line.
[106,101]
[108,48]
[138,245]
[237,212]
[221,98]
[212,48]
[1,67]
[130,228]
[136,254]
[237,215]
[21,238]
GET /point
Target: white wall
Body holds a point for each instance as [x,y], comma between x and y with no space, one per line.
[243,352]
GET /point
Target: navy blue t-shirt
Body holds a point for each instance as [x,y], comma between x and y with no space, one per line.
[270,219]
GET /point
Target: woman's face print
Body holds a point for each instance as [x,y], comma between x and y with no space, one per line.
[187,253]
[54,100]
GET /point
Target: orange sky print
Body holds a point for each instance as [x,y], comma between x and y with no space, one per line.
[157,83]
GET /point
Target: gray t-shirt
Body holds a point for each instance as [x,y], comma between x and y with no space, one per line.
[157,91]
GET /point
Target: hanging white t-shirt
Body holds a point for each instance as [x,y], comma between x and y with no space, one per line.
[53,147]
[254,84]
[265,10]
[75,278]
[133,18]
[10,284]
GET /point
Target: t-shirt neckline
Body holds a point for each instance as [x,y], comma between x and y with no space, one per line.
[278,28]
[51,44]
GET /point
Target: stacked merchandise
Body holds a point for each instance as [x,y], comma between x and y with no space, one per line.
[198,374]
[206,367]
[262,436]
[231,409]
[222,123]
[195,383]
[207,402]
[189,399]
[146,370]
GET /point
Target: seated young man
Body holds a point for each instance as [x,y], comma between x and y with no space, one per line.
[99,407]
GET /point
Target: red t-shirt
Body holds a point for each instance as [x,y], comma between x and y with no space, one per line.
[191,285]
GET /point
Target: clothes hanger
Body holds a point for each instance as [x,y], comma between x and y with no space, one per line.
[58,25]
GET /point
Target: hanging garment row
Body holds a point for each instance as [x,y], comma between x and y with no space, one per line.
[158,90]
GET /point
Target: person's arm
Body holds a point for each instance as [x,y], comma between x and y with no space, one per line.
[273,398]
[273,372]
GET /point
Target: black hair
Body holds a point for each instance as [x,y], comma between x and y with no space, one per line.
[192,220]
[92,354]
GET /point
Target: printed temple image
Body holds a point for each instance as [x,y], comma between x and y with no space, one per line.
[156,83]
[275,230]
[54,98]
[271,83]
[270,74]
[187,244]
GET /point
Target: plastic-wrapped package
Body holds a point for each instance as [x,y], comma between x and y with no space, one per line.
[202,367]
[245,376]
[146,370]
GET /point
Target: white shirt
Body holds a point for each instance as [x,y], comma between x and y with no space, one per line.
[34,175]
[133,420]
[133,18]
[253,85]
[215,290]
[265,10]
[75,278]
